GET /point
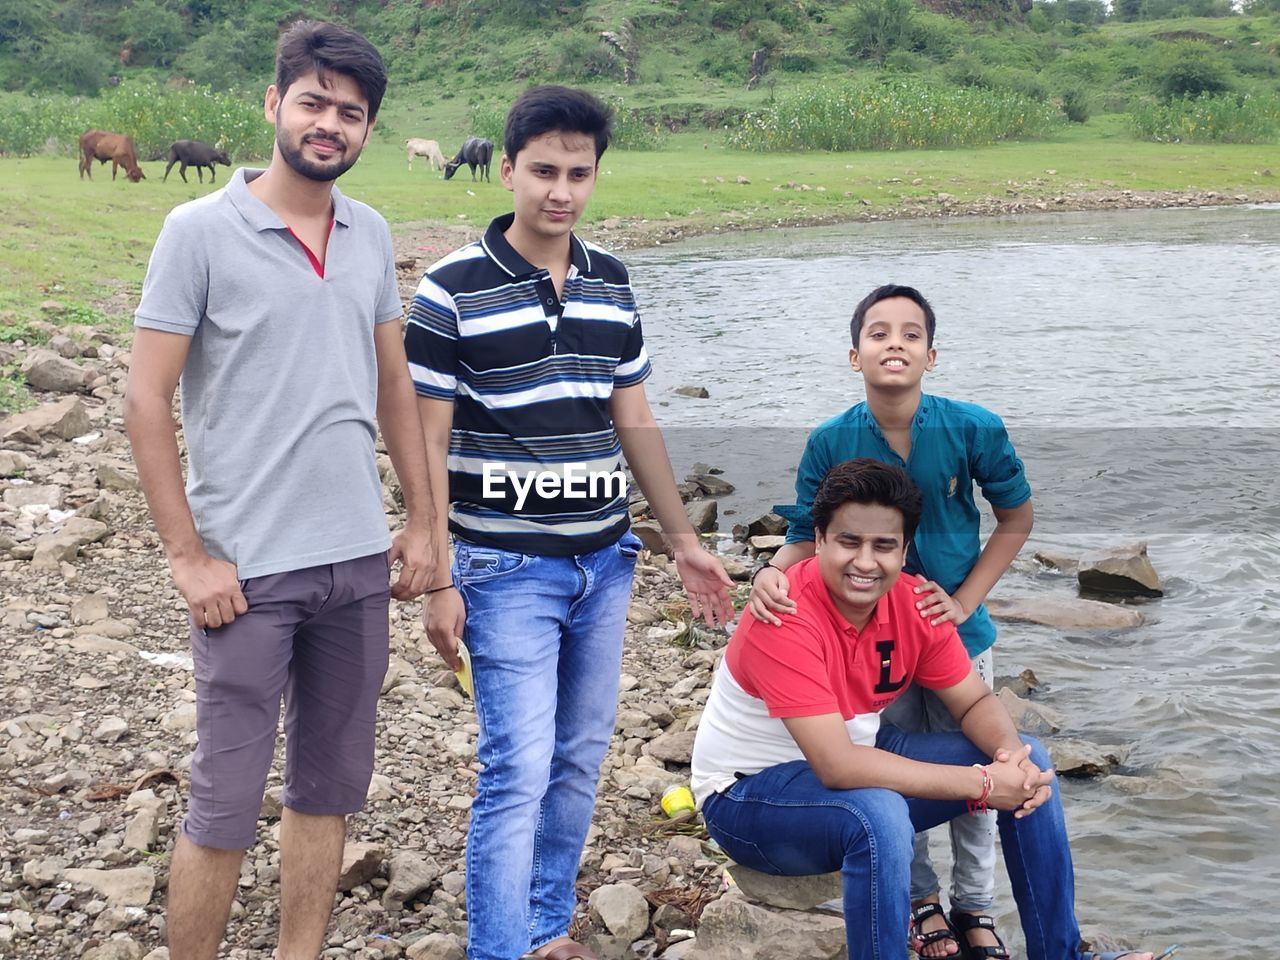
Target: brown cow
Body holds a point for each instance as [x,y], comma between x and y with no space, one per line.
[116,147]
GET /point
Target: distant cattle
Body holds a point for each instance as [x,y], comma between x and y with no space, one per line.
[475,152]
[198,154]
[116,147]
[425,148]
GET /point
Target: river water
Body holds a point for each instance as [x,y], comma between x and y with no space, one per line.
[1136,361]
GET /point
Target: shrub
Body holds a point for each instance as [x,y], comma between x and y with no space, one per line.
[583,57]
[1209,119]
[894,113]
[1075,104]
[1189,68]
[874,28]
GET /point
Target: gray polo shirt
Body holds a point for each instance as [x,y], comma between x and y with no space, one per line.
[280,386]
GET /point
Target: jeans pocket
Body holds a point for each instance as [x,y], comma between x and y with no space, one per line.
[629,546]
[476,564]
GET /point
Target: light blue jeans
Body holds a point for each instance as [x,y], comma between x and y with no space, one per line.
[545,635]
[973,839]
[783,821]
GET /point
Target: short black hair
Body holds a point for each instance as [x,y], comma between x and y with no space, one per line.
[320,46]
[868,481]
[888,292]
[550,108]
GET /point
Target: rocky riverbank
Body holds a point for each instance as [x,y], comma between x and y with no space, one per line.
[97,727]
[418,245]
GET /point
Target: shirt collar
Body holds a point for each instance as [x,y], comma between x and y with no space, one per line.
[262,217]
[879,616]
[502,253]
[923,410]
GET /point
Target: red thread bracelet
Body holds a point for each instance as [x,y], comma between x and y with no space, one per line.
[979,806]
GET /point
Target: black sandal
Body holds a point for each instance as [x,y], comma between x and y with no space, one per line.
[963,922]
[920,940]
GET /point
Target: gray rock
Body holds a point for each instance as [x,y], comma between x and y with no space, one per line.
[180,719]
[767,541]
[114,475]
[791,893]
[1033,718]
[1066,612]
[1061,562]
[14,464]
[128,887]
[768,525]
[34,494]
[672,747]
[64,346]
[110,729]
[85,531]
[711,486]
[650,534]
[1124,571]
[65,418]
[54,549]
[642,615]
[702,514]
[681,950]
[45,370]
[143,830]
[732,928]
[621,909]
[1076,758]
[684,848]
[695,391]
[408,874]
[42,873]
[90,609]
[114,950]
[437,946]
[361,862]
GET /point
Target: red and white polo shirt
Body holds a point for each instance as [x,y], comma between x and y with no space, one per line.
[815,663]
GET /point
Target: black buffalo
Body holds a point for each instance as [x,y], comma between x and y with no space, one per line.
[476,152]
[198,154]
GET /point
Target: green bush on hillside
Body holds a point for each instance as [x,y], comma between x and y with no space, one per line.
[1189,68]
[1209,119]
[892,114]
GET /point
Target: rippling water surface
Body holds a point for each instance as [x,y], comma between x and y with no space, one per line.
[1135,358]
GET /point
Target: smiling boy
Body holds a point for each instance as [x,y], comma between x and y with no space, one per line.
[795,774]
[946,446]
[528,357]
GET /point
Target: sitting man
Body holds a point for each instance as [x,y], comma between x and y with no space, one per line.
[795,775]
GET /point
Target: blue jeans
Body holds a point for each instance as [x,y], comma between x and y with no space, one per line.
[545,635]
[784,821]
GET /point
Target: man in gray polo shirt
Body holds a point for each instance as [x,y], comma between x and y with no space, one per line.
[275,301]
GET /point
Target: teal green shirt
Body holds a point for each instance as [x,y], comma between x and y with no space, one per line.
[954,445]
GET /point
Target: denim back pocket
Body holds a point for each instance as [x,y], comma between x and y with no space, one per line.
[477,564]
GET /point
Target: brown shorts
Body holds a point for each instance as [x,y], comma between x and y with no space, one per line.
[317,637]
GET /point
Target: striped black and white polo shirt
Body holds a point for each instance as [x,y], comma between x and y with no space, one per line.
[534,460]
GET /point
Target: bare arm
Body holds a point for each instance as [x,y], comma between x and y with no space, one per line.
[842,765]
[1013,526]
[402,431]
[209,585]
[443,612]
[702,574]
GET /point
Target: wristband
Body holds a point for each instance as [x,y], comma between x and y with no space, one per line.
[761,569]
[979,806]
[447,586]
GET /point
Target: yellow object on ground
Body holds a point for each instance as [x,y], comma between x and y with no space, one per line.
[463,673]
[677,800]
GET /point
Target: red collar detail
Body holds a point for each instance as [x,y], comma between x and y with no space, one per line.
[316,265]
